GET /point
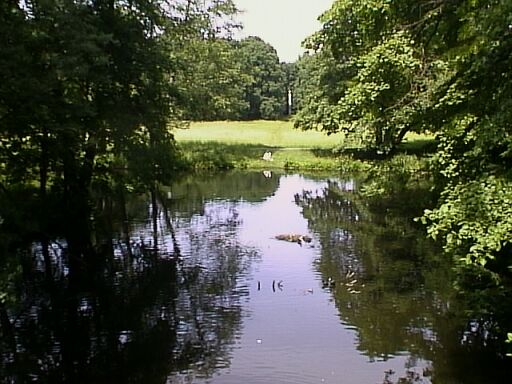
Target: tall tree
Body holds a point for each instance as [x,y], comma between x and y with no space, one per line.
[213,80]
[266,90]
[89,86]
[307,88]
[389,67]
[473,218]
[379,68]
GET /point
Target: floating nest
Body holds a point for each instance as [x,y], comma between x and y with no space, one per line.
[294,238]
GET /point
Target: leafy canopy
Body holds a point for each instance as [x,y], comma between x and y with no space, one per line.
[378,71]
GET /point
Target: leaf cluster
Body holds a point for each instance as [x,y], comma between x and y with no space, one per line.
[380,71]
[384,68]
[475,220]
[473,108]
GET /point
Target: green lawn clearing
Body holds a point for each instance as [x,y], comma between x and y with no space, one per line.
[242,144]
[262,132]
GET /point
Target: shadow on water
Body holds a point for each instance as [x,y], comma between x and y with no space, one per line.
[159,305]
[165,299]
[396,289]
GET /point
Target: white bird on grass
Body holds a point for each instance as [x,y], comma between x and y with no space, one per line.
[267,156]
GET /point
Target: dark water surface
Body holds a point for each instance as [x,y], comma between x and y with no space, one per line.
[367,301]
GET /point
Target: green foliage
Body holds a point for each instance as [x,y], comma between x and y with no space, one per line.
[473,217]
[93,71]
[208,157]
[94,86]
[265,92]
[213,80]
[223,79]
[377,71]
[472,220]
[400,183]
[475,220]
[93,90]
[271,108]
[220,156]
[306,86]
[385,68]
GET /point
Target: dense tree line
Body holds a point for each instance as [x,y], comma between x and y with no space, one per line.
[90,92]
[88,86]
[235,80]
[380,69]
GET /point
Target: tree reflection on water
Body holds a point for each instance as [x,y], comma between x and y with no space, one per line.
[165,298]
[163,304]
[395,287]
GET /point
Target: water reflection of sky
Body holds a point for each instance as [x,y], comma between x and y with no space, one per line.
[293,334]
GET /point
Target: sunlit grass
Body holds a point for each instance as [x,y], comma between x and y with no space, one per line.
[265,133]
[415,143]
[224,145]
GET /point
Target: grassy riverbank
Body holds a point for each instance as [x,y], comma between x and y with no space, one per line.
[224,145]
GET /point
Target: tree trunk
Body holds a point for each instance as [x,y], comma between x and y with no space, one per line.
[154,215]
[175,244]
[397,141]
[7,328]
[43,166]
[124,217]
[379,136]
[77,179]
[401,136]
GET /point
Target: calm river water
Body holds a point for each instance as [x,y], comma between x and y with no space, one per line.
[367,301]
